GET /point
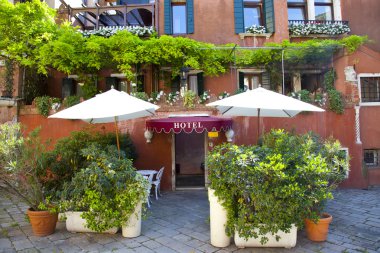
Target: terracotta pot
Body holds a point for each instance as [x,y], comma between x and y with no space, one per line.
[43,222]
[317,232]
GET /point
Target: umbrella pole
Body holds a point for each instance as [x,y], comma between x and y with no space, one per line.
[258,124]
[117,137]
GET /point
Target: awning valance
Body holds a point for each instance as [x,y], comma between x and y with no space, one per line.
[189,124]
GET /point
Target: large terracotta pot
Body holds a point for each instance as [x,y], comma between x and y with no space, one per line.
[43,222]
[317,232]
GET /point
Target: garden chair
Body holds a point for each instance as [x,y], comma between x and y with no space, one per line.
[157,182]
[150,179]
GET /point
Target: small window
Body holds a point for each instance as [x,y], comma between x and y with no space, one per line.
[296,10]
[252,13]
[371,157]
[370,89]
[323,10]
[179,18]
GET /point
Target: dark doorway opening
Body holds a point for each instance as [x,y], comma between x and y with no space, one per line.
[189,160]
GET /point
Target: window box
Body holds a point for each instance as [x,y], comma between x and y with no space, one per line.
[327,28]
[266,35]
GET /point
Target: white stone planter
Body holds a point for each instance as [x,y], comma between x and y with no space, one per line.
[133,227]
[75,223]
[218,221]
[287,240]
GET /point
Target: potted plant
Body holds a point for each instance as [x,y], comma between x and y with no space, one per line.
[21,171]
[337,165]
[108,193]
[269,190]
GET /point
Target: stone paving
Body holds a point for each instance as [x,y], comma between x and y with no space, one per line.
[178,222]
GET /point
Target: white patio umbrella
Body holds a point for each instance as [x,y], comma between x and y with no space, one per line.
[110,106]
[261,102]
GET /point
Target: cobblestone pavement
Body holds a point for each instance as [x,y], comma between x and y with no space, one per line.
[178,222]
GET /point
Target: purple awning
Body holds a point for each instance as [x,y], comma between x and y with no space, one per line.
[189,124]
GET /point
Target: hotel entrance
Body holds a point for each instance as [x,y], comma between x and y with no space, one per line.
[189,160]
[191,138]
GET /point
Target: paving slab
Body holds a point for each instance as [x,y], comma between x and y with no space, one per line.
[179,222]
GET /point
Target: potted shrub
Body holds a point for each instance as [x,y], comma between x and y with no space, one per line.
[108,193]
[269,190]
[21,171]
[317,222]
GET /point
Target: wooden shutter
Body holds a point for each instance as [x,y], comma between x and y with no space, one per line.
[168,28]
[266,80]
[200,81]
[239,16]
[112,81]
[269,15]
[67,87]
[190,16]
[241,80]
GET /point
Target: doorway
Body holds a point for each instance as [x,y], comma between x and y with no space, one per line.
[189,160]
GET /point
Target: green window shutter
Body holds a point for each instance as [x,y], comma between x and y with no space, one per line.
[190,16]
[266,80]
[269,15]
[112,81]
[241,80]
[168,17]
[68,88]
[201,87]
[239,16]
[176,84]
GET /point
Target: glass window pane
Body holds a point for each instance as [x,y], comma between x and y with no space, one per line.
[322,1]
[179,18]
[296,14]
[251,16]
[323,13]
[296,1]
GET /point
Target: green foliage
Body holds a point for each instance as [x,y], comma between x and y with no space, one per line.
[353,42]
[141,95]
[189,99]
[22,165]
[44,104]
[65,160]
[108,189]
[336,101]
[280,183]
[303,95]
[24,29]
[34,84]
[70,101]
[89,88]
[335,98]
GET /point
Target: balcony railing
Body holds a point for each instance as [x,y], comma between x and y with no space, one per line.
[318,27]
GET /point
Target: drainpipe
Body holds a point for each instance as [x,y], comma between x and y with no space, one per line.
[157,17]
[283,73]
[357,124]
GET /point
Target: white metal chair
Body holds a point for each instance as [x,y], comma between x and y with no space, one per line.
[150,179]
[157,182]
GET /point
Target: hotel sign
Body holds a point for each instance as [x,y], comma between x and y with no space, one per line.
[188,126]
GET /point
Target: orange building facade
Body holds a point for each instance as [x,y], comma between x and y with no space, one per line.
[224,21]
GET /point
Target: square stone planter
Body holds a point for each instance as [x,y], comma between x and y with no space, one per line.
[287,240]
[75,223]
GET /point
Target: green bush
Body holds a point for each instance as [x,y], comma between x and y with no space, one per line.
[280,183]
[107,190]
[45,103]
[336,101]
[70,101]
[65,159]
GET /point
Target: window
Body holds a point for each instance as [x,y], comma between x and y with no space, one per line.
[252,13]
[179,18]
[297,10]
[370,89]
[371,157]
[323,10]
